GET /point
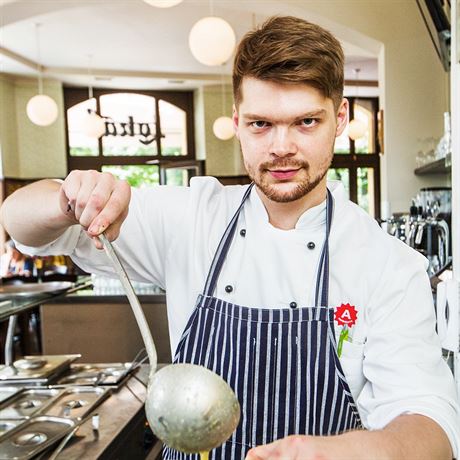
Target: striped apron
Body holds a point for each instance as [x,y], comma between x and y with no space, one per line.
[281,363]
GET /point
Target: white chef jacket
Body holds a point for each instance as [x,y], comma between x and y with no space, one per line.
[393,363]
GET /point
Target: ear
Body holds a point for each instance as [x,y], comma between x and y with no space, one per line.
[342,117]
[235,119]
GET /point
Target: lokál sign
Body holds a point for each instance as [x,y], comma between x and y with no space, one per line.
[146,131]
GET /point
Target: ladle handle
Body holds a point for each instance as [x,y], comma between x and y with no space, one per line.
[133,301]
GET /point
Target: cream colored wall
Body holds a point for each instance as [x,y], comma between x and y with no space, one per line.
[30,151]
[223,158]
[414,85]
[8,129]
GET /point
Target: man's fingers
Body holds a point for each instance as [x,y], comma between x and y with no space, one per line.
[263,452]
[94,197]
[114,212]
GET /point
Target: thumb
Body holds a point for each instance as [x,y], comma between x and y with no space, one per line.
[262,452]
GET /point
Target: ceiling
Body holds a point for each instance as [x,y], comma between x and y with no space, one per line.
[130,44]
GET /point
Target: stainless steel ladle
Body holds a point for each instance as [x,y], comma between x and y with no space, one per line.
[189,407]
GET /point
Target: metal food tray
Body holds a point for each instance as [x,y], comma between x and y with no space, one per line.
[7,392]
[33,436]
[8,424]
[27,403]
[55,364]
[76,402]
[32,289]
[105,374]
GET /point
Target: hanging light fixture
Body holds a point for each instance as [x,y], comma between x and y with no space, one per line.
[356,128]
[163,3]
[223,126]
[92,124]
[41,109]
[212,40]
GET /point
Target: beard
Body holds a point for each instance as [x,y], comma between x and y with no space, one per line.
[288,190]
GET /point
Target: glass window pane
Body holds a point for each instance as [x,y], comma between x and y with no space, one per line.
[130,127]
[366,189]
[80,145]
[173,129]
[342,143]
[136,175]
[177,176]
[341,174]
[363,112]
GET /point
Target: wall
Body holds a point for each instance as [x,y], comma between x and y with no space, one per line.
[8,130]
[414,84]
[28,150]
[223,158]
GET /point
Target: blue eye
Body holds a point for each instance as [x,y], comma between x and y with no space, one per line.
[259,124]
[308,121]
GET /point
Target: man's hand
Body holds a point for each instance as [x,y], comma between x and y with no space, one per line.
[299,447]
[97,201]
[406,437]
[40,212]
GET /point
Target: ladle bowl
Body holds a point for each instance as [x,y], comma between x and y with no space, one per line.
[189,407]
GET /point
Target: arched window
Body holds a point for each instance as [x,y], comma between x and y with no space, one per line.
[148,136]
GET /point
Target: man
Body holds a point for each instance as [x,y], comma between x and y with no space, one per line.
[321,323]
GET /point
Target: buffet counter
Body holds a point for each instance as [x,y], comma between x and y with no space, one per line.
[102,328]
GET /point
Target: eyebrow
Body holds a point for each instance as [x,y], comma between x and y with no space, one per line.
[311,114]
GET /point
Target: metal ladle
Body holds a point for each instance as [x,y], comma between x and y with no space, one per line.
[188,407]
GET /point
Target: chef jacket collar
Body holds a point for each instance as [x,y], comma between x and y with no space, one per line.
[313,217]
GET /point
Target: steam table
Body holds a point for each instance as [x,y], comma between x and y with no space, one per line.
[123,433]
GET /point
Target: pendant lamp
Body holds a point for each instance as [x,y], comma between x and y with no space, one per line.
[212,40]
[163,3]
[223,126]
[41,109]
[356,128]
[92,124]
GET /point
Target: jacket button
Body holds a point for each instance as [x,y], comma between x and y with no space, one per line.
[228,288]
[311,245]
[293,304]
[243,232]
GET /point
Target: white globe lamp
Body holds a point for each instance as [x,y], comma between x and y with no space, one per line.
[163,3]
[42,110]
[93,125]
[212,40]
[223,128]
[356,129]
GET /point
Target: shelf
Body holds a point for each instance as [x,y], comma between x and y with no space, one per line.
[436,167]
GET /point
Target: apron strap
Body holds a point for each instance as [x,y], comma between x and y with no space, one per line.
[222,249]
[322,280]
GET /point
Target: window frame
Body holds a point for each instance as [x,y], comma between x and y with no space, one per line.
[181,99]
[352,160]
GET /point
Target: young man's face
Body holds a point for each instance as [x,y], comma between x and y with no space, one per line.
[287,134]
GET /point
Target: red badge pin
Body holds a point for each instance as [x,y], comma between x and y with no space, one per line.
[346,315]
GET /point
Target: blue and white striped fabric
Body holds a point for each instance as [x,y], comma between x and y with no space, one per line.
[281,363]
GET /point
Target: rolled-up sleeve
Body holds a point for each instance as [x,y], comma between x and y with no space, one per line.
[403,361]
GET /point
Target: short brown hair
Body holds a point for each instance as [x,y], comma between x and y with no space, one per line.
[286,49]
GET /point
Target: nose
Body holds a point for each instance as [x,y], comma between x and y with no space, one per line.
[282,142]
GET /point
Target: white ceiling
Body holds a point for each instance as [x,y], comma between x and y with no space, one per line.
[132,44]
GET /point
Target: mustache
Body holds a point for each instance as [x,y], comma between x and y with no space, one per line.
[285,163]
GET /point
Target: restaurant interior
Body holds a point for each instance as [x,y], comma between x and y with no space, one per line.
[142,89]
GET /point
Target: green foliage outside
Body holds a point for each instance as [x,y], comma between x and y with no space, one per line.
[135,175]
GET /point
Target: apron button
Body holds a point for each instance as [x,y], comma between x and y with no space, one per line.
[311,245]
[228,288]
[293,304]
[243,232]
